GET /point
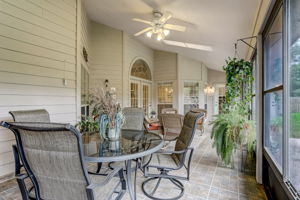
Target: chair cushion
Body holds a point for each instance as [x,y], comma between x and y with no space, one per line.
[104,192]
[162,160]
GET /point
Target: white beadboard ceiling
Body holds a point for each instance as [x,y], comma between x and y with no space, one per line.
[218,23]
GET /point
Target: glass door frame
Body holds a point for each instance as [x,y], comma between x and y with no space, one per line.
[274,89]
[157,84]
[148,110]
[138,92]
[140,83]
[199,93]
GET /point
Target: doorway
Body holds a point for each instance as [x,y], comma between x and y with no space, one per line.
[140,86]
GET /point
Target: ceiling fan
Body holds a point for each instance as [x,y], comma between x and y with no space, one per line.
[158,25]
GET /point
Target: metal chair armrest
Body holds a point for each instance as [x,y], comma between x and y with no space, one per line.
[21,182]
[172,140]
[171,152]
[118,170]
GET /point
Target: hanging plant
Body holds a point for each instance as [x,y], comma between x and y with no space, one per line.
[239,81]
[232,128]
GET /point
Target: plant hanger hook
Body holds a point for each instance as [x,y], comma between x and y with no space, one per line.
[236,55]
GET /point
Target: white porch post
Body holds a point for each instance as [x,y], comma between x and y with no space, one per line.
[259,111]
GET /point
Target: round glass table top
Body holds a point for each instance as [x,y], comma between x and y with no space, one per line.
[131,145]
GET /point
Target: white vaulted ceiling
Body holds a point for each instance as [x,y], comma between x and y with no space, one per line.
[217,23]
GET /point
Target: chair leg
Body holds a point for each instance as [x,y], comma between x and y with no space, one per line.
[156,186]
[175,182]
[109,165]
[99,165]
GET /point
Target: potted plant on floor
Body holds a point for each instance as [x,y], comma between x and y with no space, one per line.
[87,127]
[232,128]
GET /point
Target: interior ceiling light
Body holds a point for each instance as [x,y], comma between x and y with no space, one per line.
[149,34]
[158,25]
[188,45]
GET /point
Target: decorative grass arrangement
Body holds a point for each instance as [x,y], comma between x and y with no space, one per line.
[107,108]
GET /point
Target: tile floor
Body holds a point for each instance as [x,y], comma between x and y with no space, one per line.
[209,179]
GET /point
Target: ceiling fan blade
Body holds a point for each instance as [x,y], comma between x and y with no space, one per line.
[158,4]
[166,16]
[143,31]
[152,4]
[142,20]
[175,27]
[188,45]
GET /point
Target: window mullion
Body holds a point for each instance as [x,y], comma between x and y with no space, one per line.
[285,164]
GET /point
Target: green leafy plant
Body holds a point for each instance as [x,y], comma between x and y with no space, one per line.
[294,118]
[239,81]
[295,80]
[232,128]
[88,126]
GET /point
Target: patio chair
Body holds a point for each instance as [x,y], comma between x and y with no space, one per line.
[172,124]
[169,111]
[53,157]
[134,118]
[40,115]
[169,161]
[201,121]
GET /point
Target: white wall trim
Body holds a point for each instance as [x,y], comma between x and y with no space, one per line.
[78,61]
[138,58]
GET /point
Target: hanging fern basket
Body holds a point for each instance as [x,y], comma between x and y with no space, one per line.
[232,128]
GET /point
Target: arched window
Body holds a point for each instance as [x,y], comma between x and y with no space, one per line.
[141,69]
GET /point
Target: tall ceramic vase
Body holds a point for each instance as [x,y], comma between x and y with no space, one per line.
[107,132]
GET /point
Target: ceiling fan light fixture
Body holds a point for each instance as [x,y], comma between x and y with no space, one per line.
[159,37]
[149,34]
[166,32]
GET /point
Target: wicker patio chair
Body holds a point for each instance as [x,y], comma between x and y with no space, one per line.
[168,161]
[53,158]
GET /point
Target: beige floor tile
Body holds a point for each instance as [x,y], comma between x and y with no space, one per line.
[209,179]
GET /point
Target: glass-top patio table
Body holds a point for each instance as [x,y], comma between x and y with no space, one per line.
[132,145]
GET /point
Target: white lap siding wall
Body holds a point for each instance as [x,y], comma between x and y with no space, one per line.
[37,51]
